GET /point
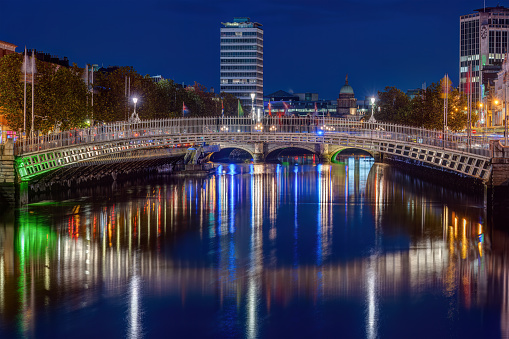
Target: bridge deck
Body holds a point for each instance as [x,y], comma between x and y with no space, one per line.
[455,152]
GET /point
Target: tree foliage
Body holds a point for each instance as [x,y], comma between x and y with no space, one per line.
[425,110]
[60,97]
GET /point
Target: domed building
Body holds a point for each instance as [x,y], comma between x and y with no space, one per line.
[347,104]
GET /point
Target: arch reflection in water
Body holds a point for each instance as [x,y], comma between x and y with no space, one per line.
[329,238]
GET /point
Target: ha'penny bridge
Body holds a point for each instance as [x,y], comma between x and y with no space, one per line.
[155,141]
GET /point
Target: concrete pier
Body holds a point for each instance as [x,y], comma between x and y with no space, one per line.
[500,164]
[7,173]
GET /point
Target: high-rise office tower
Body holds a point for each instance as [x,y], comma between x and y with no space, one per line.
[242,62]
[483,42]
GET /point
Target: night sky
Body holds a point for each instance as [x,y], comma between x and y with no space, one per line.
[309,46]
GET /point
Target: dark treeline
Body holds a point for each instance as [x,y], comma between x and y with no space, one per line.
[425,110]
[62,99]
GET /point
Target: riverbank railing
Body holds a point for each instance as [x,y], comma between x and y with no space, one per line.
[320,126]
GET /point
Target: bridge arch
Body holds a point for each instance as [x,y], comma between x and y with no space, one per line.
[245,147]
[335,151]
[273,149]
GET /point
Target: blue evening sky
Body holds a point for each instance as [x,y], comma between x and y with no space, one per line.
[309,46]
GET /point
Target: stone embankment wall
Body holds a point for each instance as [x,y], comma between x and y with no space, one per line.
[500,164]
[7,174]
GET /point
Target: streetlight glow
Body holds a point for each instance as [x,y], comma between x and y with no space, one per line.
[252,105]
[372,118]
[134,117]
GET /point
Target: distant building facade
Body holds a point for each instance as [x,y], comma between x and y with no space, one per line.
[6,48]
[46,57]
[281,96]
[284,103]
[241,66]
[347,104]
[307,96]
[483,42]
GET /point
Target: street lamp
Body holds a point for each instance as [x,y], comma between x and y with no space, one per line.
[134,117]
[252,105]
[372,118]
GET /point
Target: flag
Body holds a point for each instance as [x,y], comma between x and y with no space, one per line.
[446,86]
[286,107]
[222,108]
[185,110]
[241,111]
[270,107]
[467,87]
[316,110]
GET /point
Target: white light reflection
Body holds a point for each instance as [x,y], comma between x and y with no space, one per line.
[134,326]
[2,283]
[232,205]
[324,225]
[256,246]
[371,300]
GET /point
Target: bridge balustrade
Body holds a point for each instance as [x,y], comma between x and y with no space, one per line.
[320,126]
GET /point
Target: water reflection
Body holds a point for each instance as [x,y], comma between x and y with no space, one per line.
[251,246]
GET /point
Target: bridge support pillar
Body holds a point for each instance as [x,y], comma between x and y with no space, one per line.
[379,157]
[7,172]
[259,152]
[500,164]
[323,152]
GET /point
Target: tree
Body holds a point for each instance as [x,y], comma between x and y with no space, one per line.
[230,103]
[60,95]
[11,90]
[394,106]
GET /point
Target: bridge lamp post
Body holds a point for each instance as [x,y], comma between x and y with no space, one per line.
[372,118]
[252,105]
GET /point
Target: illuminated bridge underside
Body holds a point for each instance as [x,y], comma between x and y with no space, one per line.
[35,163]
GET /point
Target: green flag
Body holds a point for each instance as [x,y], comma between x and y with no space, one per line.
[241,111]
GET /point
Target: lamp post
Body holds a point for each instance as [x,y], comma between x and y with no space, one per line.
[134,117]
[372,118]
[252,106]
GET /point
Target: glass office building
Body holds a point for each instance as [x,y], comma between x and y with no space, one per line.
[483,42]
[242,61]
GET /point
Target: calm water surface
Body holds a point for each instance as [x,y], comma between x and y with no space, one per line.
[350,250]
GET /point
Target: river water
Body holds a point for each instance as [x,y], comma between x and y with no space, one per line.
[351,250]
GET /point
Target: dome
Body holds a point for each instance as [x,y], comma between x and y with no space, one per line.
[346,89]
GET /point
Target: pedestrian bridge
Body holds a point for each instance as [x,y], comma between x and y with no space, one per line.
[123,141]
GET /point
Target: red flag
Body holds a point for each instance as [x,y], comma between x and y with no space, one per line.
[184,109]
[316,110]
[270,106]
[222,107]
[467,87]
[286,107]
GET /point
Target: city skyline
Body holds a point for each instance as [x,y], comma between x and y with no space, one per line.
[308,47]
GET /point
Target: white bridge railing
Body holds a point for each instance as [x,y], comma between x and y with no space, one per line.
[213,125]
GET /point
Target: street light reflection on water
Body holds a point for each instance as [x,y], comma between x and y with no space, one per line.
[256,250]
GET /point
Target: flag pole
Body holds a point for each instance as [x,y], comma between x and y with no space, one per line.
[33,87]
[25,93]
